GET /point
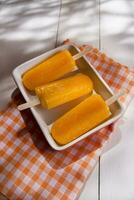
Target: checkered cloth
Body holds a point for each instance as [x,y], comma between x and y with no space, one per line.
[30,168]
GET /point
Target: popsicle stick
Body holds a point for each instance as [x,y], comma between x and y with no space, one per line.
[82,53]
[29,104]
[115,97]
[36,102]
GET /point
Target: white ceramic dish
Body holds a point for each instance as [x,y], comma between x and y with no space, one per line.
[46,117]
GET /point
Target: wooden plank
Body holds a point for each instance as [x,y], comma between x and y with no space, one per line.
[117,30]
[27,29]
[116,169]
[79,21]
[117,174]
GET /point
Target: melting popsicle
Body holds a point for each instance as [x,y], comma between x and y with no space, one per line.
[51,69]
[59,92]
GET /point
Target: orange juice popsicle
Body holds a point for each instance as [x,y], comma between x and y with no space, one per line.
[59,92]
[82,118]
[49,70]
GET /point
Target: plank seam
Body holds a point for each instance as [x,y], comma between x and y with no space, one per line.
[58,24]
[99,161]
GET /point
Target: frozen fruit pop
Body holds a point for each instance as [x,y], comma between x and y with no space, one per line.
[59,92]
[51,69]
[82,118]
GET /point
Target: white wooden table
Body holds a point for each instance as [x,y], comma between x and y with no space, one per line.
[28,28]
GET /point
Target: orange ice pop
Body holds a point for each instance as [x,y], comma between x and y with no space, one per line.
[59,92]
[51,69]
[82,118]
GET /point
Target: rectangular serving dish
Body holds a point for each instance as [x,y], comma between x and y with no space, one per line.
[46,117]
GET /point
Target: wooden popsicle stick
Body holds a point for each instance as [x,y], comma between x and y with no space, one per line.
[82,53]
[36,102]
[29,104]
[115,97]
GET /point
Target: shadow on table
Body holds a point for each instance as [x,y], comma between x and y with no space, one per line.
[28,29]
[56,159]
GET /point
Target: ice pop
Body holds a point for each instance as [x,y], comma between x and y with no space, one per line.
[82,118]
[59,92]
[51,69]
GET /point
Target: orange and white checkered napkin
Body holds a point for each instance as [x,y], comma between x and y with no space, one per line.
[30,169]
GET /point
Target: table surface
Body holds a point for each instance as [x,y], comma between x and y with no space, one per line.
[29,28]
